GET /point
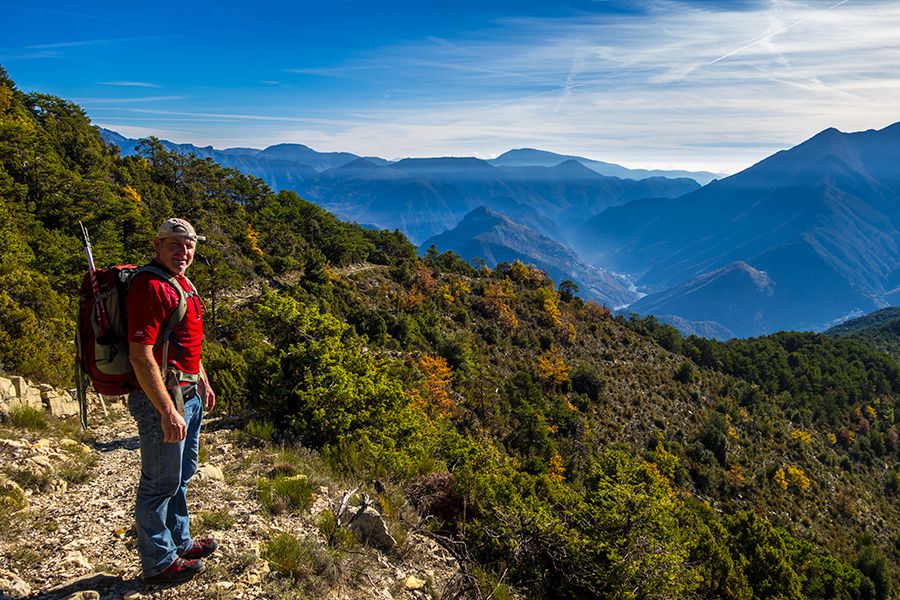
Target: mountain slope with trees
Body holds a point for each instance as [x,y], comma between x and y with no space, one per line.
[881,329]
[572,454]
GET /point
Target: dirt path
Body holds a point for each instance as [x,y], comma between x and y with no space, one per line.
[79,536]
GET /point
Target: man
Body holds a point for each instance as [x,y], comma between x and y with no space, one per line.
[165,353]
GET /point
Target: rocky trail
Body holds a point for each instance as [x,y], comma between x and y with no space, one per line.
[75,537]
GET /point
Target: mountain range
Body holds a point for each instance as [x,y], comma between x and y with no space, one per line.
[801,240]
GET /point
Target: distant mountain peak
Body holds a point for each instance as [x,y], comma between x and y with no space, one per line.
[444,162]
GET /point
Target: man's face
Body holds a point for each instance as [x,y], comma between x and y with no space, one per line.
[175,253]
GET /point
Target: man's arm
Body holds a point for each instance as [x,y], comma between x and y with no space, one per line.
[147,371]
[205,390]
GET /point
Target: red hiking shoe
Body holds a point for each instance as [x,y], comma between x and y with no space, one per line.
[201,548]
[180,570]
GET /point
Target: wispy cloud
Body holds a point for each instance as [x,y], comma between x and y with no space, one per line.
[768,36]
[140,84]
[138,100]
[649,90]
[72,44]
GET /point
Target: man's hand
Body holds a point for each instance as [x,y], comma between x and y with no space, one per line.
[173,426]
[209,397]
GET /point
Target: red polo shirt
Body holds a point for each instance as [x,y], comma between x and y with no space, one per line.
[150,304]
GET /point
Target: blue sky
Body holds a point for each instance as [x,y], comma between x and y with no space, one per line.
[662,83]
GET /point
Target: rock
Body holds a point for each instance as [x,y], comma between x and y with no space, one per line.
[42,444]
[59,406]
[13,586]
[219,589]
[25,393]
[7,390]
[207,471]
[373,530]
[74,447]
[43,462]
[76,560]
[414,583]
[132,596]
[85,595]
[14,444]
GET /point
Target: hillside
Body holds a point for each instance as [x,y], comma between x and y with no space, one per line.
[881,329]
[561,452]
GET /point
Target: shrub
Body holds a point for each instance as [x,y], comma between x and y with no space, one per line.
[285,493]
[299,559]
[256,433]
[336,536]
[12,498]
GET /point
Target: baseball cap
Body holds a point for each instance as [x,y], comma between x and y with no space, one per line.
[178,228]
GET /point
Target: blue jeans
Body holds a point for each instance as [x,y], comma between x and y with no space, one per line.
[161,513]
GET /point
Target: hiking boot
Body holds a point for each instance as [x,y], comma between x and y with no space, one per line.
[180,570]
[200,548]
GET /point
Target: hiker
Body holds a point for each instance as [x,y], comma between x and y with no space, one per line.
[169,406]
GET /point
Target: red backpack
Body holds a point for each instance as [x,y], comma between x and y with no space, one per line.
[103,359]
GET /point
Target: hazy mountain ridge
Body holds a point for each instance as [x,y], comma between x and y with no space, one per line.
[495,238]
[528,157]
[821,219]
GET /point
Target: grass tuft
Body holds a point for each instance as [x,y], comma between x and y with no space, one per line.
[217,520]
[283,493]
[300,559]
[27,417]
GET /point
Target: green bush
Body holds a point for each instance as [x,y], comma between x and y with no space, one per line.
[283,493]
[299,559]
[12,498]
[256,433]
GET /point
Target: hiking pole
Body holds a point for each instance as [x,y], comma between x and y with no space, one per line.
[103,325]
[102,317]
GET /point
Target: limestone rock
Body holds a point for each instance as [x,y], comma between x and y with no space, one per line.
[373,530]
[7,391]
[26,394]
[76,560]
[220,589]
[58,404]
[207,471]
[13,586]
[414,583]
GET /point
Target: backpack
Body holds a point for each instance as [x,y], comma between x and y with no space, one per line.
[103,360]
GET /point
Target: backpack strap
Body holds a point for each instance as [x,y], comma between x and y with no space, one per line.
[173,377]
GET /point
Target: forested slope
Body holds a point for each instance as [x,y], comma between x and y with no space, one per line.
[575,454]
